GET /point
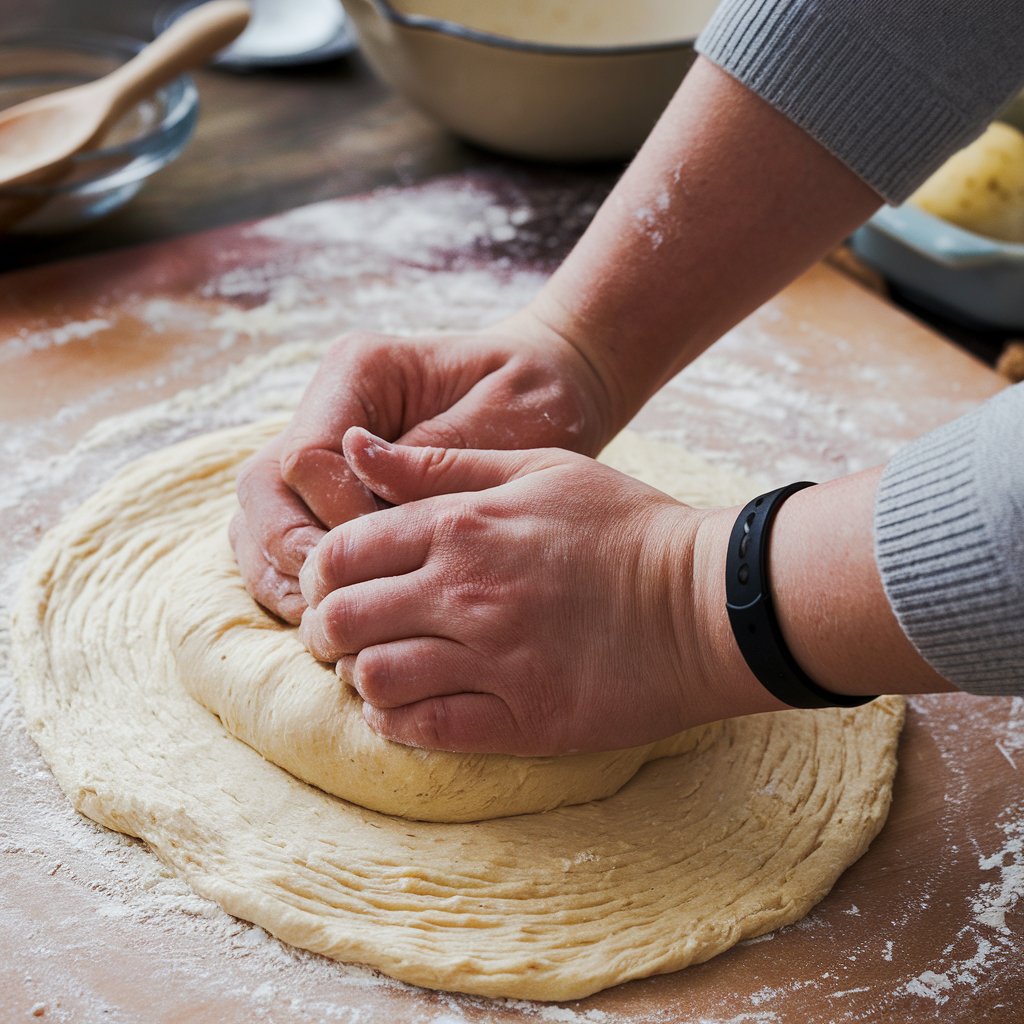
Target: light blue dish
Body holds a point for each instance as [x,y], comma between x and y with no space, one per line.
[955,272]
[146,139]
[970,277]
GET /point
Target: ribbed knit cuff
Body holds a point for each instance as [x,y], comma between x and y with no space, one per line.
[864,96]
[949,541]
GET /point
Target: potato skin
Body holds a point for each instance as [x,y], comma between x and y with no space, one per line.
[981,188]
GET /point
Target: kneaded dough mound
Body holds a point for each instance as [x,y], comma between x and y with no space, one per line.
[252,671]
[742,832]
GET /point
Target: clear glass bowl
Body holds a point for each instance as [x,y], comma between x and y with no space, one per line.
[146,139]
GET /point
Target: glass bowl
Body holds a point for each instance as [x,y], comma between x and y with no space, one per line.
[101,180]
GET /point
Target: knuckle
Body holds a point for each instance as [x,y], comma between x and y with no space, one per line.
[297,465]
[459,521]
[351,345]
[338,621]
[445,434]
[477,592]
[430,724]
[248,479]
[436,463]
[372,677]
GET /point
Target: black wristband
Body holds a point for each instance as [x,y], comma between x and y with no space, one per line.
[752,613]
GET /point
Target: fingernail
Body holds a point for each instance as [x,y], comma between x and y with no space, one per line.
[309,582]
[301,542]
[375,444]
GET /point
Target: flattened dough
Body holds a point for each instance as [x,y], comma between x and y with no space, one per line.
[741,833]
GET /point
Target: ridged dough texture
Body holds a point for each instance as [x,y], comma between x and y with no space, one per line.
[740,833]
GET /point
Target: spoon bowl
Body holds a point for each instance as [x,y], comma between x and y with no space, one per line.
[98,181]
[39,138]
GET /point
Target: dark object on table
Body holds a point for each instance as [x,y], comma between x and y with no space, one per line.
[1011,362]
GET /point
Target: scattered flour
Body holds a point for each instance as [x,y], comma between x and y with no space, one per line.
[35,341]
[451,257]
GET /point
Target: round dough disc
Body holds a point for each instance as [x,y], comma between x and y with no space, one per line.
[742,833]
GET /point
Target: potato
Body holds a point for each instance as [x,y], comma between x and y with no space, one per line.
[981,188]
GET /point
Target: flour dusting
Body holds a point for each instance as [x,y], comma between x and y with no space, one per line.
[451,256]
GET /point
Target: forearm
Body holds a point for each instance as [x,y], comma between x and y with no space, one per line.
[907,579]
[726,203]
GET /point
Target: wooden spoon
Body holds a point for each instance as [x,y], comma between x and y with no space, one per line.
[38,138]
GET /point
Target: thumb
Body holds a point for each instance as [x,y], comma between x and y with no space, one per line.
[401,473]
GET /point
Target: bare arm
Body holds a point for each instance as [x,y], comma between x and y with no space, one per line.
[726,203]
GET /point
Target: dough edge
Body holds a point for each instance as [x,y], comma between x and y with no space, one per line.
[96,785]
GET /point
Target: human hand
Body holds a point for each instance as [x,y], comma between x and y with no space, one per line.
[527,603]
[519,385]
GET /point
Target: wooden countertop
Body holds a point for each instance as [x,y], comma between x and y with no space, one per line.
[824,379]
[265,142]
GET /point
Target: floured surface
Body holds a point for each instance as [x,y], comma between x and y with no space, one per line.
[822,380]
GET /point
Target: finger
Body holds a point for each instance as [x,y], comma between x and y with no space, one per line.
[269,587]
[391,542]
[326,484]
[539,414]
[276,518]
[469,723]
[400,473]
[407,671]
[355,384]
[365,614]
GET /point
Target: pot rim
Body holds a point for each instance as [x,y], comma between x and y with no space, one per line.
[459,31]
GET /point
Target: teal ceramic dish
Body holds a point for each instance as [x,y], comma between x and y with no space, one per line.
[972,278]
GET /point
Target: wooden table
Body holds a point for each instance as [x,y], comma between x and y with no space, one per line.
[269,141]
[823,380]
[265,141]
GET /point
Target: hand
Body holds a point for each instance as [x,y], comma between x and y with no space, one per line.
[512,602]
[520,385]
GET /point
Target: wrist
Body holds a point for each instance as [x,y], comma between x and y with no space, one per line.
[714,671]
[612,371]
[595,391]
[828,595]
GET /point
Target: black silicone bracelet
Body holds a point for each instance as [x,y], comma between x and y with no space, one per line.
[752,614]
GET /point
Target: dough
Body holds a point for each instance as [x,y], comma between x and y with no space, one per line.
[741,833]
[981,188]
[253,672]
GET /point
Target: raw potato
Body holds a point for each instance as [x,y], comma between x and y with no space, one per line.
[981,188]
[741,834]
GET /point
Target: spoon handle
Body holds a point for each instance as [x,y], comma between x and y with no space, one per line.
[187,44]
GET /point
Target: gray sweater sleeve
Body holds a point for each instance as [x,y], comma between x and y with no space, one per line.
[890,87]
[949,539]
